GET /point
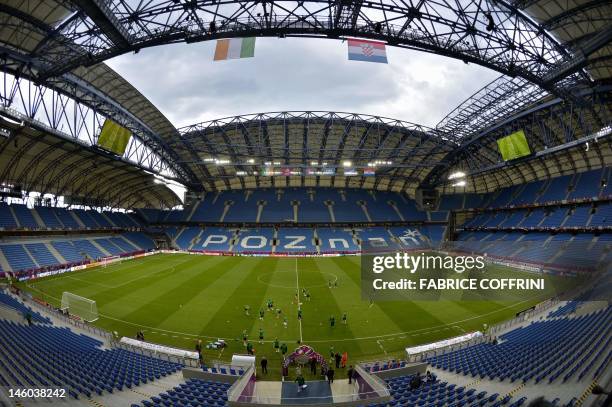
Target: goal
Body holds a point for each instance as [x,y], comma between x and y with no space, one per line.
[83,307]
[110,260]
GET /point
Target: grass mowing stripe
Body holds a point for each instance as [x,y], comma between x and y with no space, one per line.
[85,282]
[146,291]
[215,283]
[299,306]
[361,317]
[229,320]
[278,284]
[213,290]
[325,304]
[151,303]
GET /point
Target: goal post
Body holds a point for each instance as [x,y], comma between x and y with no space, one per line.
[84,308]
[110,260]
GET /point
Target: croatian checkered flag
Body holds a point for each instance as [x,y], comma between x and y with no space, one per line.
[368,51]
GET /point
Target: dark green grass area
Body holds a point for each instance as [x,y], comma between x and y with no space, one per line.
[176,299]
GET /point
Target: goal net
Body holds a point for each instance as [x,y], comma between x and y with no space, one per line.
[110,260]
[84,308]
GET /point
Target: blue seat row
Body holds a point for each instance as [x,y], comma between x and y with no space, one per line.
[44,355]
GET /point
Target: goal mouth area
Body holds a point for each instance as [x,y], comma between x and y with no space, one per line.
[84,308]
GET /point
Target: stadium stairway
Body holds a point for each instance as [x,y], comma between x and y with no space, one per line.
[565,376]
[57,254]
[108,219]
[135,395]
[98,246]
[95,372]
[192,392]
[4,264]
[38,218]
[13,303]
[77,219]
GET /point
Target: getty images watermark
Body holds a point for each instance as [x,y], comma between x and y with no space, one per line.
[454,275]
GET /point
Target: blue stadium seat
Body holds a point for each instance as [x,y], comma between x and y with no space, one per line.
[17,257]
[215,239]
[44,355]
[139,240]
[255,240]
[25,217]
[336,240]
[49,217]
[7,220]
[548,350]
[295,240]
[11,302]
[41,254]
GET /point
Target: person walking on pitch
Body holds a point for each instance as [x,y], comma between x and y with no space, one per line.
[300,382]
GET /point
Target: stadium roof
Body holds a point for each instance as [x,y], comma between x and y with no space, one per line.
[39,160]
[317,147]
[555,56]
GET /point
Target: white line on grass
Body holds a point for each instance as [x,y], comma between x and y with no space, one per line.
[412,333]
[379,342]
[297,283]
[415,332]
[90,282]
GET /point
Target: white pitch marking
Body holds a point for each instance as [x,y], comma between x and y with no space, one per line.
[381,346]
[297,283]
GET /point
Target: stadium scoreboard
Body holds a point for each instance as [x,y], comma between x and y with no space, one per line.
[513,146]
[114,137]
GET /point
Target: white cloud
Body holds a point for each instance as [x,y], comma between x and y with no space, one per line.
[299,74]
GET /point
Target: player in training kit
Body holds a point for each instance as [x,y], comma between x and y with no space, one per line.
[307,295]
[247,308]
[285,322]
[279,312]
[261,335]
[261,314]
[276,345]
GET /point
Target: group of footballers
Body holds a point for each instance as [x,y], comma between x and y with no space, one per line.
[279,314]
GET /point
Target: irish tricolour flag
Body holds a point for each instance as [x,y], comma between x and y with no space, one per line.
[235,48]
[369,51]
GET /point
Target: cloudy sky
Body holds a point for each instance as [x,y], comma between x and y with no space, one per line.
[299,74]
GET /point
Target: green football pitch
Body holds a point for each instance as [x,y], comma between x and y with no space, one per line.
[176,299]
